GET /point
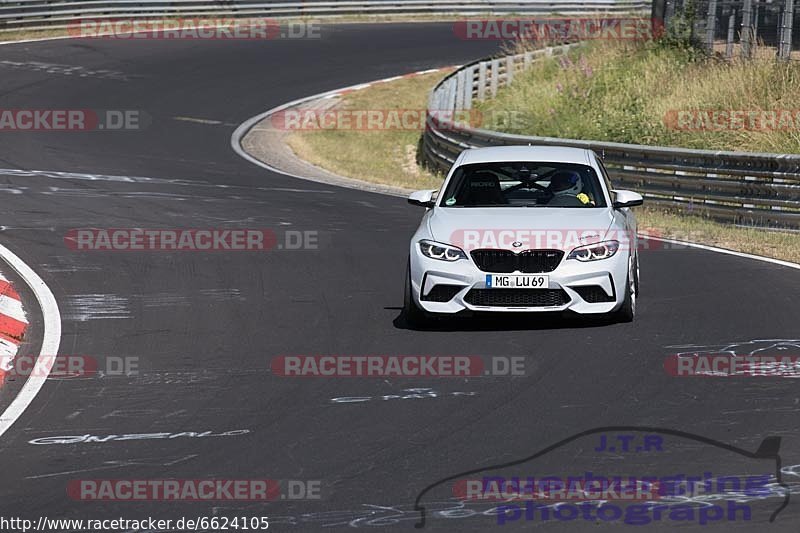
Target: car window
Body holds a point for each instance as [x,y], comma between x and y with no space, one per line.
[524,184]
[603,170]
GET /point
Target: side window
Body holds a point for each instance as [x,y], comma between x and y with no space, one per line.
[605,175]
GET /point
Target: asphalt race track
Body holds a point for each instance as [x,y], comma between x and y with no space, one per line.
[205,326]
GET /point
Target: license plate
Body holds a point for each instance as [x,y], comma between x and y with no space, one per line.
[517,281]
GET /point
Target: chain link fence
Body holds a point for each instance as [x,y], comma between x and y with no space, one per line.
[735,28]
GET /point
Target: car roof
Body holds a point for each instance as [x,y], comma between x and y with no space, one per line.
[548,154]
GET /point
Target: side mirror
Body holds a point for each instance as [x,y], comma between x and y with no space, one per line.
[422,198]
[626,199]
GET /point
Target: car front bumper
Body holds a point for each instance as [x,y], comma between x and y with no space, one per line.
[571,276]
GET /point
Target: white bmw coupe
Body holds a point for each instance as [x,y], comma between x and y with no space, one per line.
[524,229]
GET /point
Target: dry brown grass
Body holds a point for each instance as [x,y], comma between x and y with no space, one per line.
[387,157]
[693,228]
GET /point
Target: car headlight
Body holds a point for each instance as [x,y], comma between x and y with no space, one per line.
[443,252]
[594,252]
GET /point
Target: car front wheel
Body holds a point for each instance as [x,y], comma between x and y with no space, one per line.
[627,311]
[413,315]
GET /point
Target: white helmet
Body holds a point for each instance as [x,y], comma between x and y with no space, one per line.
[566,182]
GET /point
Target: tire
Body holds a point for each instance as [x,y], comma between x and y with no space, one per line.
[627,312]
[413,315]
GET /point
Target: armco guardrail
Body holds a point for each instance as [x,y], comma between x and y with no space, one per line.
[747,188]
[43,14]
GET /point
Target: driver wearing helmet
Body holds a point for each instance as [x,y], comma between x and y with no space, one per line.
[566,186]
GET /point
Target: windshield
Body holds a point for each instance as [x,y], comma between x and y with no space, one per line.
[523,184]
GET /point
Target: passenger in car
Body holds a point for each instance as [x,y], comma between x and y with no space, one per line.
[566,186]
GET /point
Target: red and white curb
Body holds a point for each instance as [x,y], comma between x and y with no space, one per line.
[51,337]
[13,324]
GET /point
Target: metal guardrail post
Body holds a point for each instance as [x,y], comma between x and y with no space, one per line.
[711,25]
[787,20]
[756,10]
[495,76]
[450,103]
[789,26]
[669,12]
[658,13]
[509,70]
[482,80]
[460,89]
[731,31]
[747,29]
[469,82]
[527,60]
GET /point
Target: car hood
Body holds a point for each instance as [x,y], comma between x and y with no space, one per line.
[529,227]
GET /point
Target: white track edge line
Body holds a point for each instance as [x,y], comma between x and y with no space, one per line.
[726,251]
[51,338]
[37,40]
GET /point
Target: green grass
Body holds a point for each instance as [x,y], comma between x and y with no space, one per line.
[628,92]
